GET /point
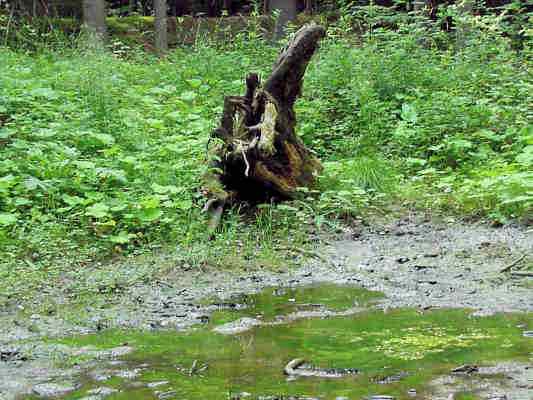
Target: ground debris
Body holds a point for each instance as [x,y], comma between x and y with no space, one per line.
[383,380]
[299,367]
[47,390]
[12,354]
[166,395]
[514,263]
[465,369]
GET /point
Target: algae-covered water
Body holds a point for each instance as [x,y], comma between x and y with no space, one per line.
[398,352]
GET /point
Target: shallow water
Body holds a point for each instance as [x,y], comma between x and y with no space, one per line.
[397,352]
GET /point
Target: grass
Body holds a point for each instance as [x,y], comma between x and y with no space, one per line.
[102,154]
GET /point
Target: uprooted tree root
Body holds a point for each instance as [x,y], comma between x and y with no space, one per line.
[258,156]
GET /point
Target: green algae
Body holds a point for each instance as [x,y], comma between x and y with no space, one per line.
[418,346]
[273,302]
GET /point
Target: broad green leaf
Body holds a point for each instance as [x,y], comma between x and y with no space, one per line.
[194,83]
[409,113]
[103,139]
[7,219]
[98,210]
[526,157]
[150,214]
[122,237]
[7,182]
[184,205]
[84,164]
[72,200]
[47,93]
[174,115]
[171,189]
[188,96]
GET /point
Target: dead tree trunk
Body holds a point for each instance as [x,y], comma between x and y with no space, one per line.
[258,155]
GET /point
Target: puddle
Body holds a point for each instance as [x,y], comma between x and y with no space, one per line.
[397,353]
[273,303]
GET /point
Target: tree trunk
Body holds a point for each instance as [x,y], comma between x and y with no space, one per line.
[94,14]
[465,8]
[259,156]
[288,10]
[161,34]
[309,6]
[182,7]
[228,6]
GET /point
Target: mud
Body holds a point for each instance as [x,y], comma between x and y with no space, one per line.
[412,261]
[506,380]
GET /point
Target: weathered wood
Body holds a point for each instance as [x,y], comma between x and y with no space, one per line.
[258,156]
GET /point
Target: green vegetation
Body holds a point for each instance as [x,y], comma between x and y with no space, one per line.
[273,302]
[102,153]
[379,344]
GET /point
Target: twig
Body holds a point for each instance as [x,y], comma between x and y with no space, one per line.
[8,27]
[515,262]
[193,368]
[164,283]
[522,274]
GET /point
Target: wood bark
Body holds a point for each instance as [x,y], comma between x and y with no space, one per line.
[258,156]
[94,14]
[161,34]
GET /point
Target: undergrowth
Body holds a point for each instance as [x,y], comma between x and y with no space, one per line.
[102,152]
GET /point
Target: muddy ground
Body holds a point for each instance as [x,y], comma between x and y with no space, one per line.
[413,261]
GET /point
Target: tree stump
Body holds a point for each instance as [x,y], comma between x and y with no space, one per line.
[258,156]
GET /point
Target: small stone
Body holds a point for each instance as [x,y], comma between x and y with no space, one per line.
[241,325]
[165,395]
[341,398]
[204,319]
[53,389]
[527,334]
[102,391]
[127,374]
[156,384]
[120,351]
[402,260]
[411,392]
[382,397]
[101,377]
[11,354]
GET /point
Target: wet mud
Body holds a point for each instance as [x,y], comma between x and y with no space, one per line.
[425,266]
